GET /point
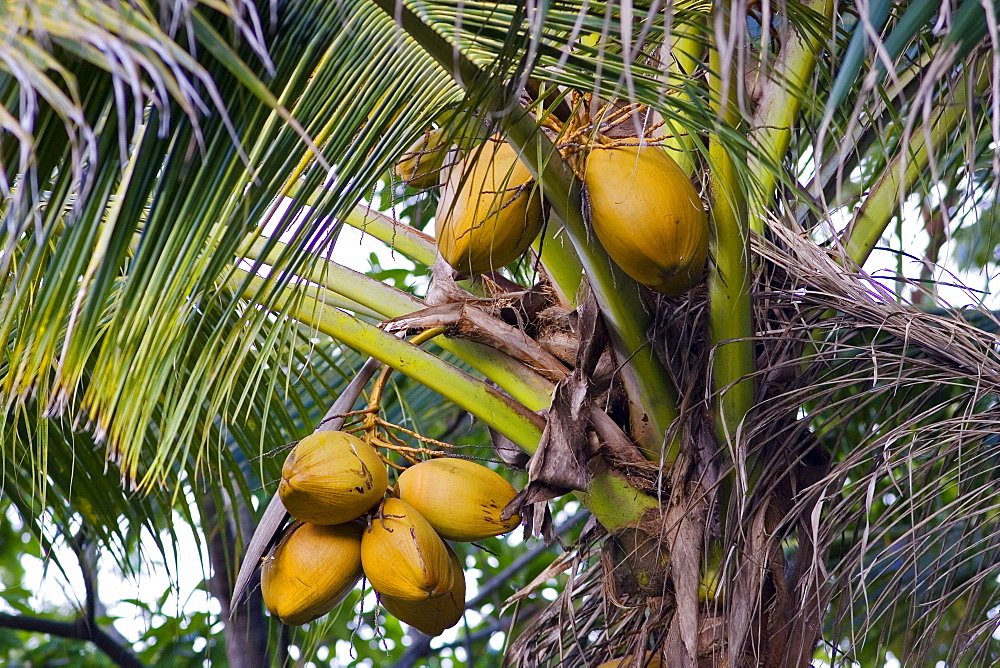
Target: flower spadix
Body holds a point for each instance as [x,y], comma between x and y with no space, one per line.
[462,500]
[433,615]
[331,477]
[647,215]
[403,556]
[311,570]
[489,212]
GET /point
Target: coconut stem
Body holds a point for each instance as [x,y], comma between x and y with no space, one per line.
[729,277]
[652,397]
[615,502]
[909,165]
[781,99]
[685,56]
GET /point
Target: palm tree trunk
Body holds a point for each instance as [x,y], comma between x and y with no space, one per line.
[245,631]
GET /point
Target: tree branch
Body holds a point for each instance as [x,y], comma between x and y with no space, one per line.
[525,558]
[245,630]
[79,629]
[85,550]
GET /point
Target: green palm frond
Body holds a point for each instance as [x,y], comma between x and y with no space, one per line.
[59,478]
[150,214]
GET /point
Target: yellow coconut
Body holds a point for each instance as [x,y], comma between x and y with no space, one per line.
[489,212]
[332,477]
[648,216]
[404,557]
[432,616]
[420,166]
[462,500]
[310,571]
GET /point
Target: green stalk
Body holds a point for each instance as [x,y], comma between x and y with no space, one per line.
[509,417]
[615,503]
[729,277]
[874,215]
[398,236]
[560,262]
[652,397]
[779,106]
[685,57]
[651,394]
[325,296]
[882,202]
[529,389]
[898,176]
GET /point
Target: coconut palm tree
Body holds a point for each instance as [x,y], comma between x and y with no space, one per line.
[794,458]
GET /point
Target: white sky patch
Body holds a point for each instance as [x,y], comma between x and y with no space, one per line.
[181,573]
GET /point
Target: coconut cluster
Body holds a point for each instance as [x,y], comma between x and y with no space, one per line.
[643,207]
[347,528]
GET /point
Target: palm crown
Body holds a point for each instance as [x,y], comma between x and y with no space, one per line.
[817,442]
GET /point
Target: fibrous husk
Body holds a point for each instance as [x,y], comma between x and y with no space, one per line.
[404,557]
[311,570]
[489,212]
[432,616]
[648,216]
[462,500]
[420,166]
[332,477]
